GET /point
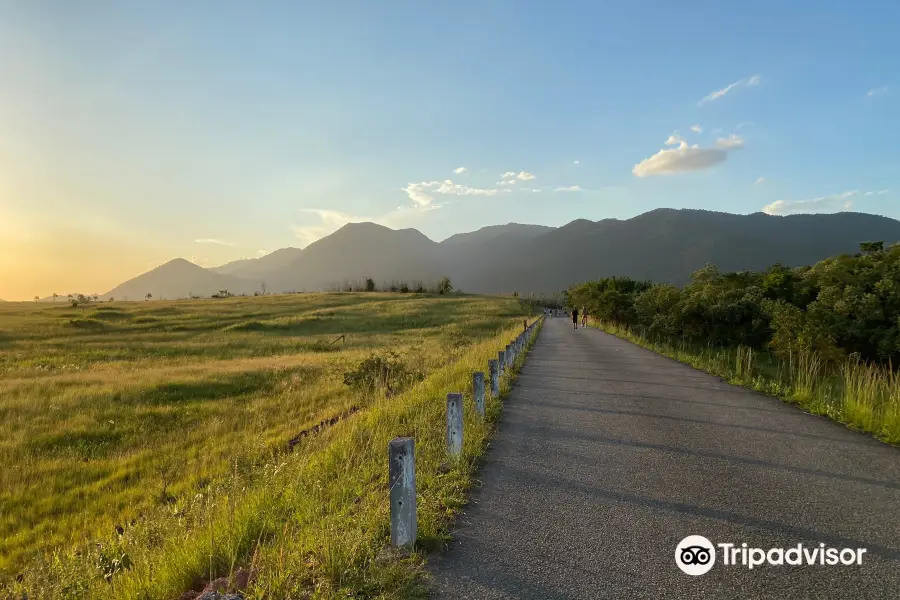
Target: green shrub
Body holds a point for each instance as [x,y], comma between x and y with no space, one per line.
[386,373]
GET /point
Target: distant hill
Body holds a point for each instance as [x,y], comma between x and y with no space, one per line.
[256,268]
[493,233]
[664,245]
[360,250]
[179,278]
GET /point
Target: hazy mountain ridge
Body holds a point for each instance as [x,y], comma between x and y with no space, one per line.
[663,245]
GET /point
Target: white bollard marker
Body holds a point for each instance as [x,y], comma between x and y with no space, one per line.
[454,424]
[402,481]
[494,371]
[478,389]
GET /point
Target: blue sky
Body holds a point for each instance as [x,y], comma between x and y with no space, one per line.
[141,131]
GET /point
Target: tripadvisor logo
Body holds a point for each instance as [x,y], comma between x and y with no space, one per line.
[696,555]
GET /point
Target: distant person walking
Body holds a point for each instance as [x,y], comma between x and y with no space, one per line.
[575,318]
[583,317]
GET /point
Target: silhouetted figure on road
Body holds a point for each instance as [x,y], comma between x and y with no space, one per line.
[583,317]
[575,318]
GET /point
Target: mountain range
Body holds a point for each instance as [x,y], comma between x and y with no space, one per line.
[663,245]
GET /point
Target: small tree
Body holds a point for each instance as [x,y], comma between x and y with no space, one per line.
[55,296]
[36,298]
[147,296]
[445,287]
[370,284]
[263,288]
[870,247]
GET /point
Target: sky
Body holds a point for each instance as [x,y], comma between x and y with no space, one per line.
[135,132]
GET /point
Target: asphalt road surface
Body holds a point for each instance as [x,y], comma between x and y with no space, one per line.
[608,455]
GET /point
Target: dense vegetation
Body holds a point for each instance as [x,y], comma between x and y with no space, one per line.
[840,312]
[149,448]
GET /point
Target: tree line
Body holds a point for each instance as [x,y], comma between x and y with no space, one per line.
[841,306]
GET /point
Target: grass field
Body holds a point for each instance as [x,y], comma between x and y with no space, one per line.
[145,444]
[864,397]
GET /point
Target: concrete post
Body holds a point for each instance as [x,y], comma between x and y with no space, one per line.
[501,362]
[478,390]
[494,370]
[454,424]
[402,481]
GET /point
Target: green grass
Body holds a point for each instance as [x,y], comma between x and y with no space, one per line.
[864,397]
[148,454]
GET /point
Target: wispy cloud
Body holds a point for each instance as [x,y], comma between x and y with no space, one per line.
[422,193]
[878,193]
[824,204]
[877,91]
[730,143]
[460,170]
[759,181]
[571,188]
[747,81]
[685,157]
[577,162]
[521,176]
[696,129]
[213,241]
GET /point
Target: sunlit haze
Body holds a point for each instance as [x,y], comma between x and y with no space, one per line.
[133,133]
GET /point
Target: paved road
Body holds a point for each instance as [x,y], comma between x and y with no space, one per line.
[608,455]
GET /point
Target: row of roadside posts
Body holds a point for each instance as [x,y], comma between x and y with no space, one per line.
[401,451]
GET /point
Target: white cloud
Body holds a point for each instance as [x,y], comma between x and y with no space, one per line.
[460,170]
[730,143]
[571,188]
[760,181]
[262,252]
[507,182]
[749,81]
[577,162]
[696,129]
[877,91]
[419,194]
[833,203]
[521,176]
[213,241]
[686,158]
[448,188]
[422,193]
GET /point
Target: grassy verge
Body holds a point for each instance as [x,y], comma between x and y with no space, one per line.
[310,523]
[864,397]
